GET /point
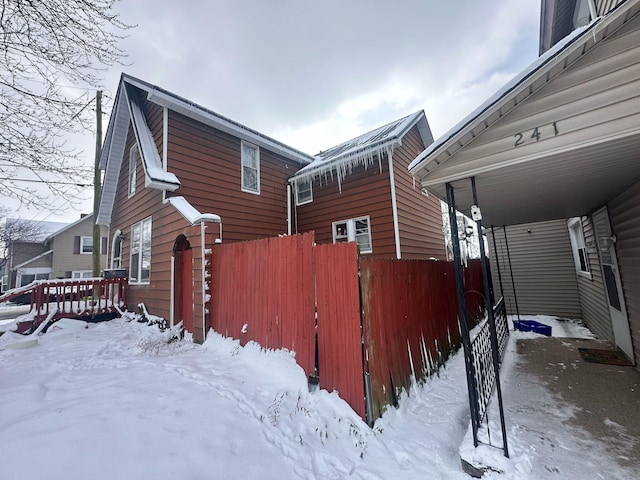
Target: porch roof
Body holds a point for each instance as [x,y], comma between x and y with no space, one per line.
[558,141]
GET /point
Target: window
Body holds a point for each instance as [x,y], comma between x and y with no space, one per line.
[354,230]
[304,194]
[82,274]
[580,255]
[116,250]
[133,163]
[250,168]
[5,283]
[86,245]
[140,262]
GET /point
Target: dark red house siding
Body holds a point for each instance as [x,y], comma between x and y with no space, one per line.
[368,192]
[364,192]
[419,216]
[207,162]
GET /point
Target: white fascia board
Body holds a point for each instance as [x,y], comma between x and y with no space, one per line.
[112,156]
[190,213]
[505,96]
[192,110]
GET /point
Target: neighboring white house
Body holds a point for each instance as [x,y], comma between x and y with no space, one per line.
[59,250]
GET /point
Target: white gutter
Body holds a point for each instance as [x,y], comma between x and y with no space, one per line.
[394,207]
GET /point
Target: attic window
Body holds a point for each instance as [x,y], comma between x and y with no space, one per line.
[250,168]
[133,163]
[304,193]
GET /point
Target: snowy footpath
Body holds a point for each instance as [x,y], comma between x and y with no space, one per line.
[123,400]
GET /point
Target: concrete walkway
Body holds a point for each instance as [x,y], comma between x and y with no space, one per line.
[606,397]
[566,418]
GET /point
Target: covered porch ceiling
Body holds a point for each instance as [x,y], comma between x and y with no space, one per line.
[557,185]
[560,140]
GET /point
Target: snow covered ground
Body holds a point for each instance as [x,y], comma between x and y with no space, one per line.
[121,400]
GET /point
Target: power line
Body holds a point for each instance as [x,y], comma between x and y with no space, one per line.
[47,181]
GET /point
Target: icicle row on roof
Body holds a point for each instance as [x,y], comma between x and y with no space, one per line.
[345,165]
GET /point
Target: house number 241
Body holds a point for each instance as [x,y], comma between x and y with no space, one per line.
[537,134]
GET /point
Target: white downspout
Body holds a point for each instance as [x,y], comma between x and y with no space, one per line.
[204,281]
[592,10]
[394,206]
[288,209]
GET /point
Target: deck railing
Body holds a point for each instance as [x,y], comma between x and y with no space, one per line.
[71,298]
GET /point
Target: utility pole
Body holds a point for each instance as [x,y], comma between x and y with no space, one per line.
[97,241]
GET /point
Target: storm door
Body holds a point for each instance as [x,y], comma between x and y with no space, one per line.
[612,281]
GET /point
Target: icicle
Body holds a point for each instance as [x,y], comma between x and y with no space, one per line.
[413,372]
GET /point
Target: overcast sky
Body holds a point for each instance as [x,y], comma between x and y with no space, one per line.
[314,74]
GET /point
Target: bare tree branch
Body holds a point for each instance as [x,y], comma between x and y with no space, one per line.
[49,49]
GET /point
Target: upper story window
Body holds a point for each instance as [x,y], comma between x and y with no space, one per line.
[354,230]
[133,163]
[250,174]
[86,245]
[304,193]
[140,260]
[580,256]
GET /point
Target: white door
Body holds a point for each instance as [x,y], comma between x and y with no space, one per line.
[613,284]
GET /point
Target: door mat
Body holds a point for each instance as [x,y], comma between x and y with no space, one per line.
[610,357]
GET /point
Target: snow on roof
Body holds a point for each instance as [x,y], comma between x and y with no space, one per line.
[191,109]
[503,92]
[155,175]
[189,212]
[364,149]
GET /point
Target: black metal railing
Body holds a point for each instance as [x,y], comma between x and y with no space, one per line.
[485,375]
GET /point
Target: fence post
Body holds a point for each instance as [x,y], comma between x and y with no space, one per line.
[462,315]
[491,319]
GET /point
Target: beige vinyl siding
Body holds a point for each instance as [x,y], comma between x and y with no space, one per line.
[543,269]
[624,212]
[595,310]
[64,259]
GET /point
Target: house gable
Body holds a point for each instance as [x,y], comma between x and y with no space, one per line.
[555,122]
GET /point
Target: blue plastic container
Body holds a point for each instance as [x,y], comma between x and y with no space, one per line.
[532,326]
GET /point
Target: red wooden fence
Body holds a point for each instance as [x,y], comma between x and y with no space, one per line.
[339,332]
[263,291]
[410,321]
[267,291]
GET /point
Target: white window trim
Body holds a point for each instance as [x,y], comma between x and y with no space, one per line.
[82,238]
[310,199]
[245,189]
[80,274]
[138,281]
[114,242]
[576,236]
[133,165]
[351,231]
